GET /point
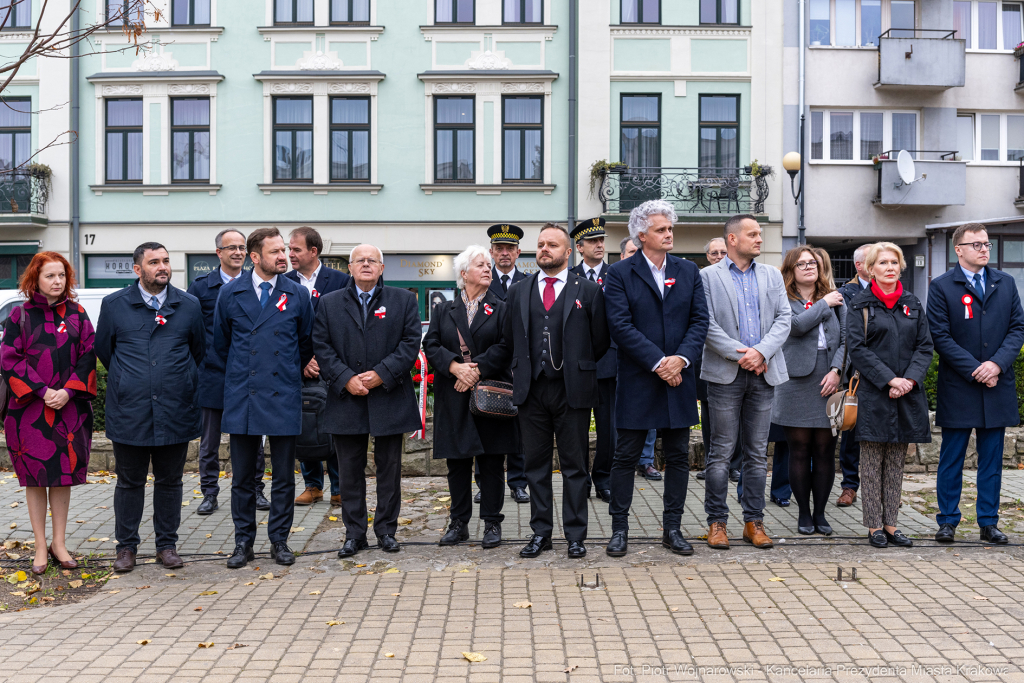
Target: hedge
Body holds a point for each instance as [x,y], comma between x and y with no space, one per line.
[931,381]
[99,406]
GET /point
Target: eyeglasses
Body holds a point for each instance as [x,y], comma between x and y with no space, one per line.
[718,253]
[233,247]
[366,261]
[806,265]
[977,246]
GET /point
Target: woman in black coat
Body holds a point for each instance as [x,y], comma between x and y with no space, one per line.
[892,357]
[478,314]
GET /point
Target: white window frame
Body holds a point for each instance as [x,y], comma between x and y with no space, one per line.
[1003,137]
[886,133]
[886,25]
[999,26]
[321,17]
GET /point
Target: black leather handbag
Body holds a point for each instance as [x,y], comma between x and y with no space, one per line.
[489,398]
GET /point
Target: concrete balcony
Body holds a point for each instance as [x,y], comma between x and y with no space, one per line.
[930,60]
[943,182]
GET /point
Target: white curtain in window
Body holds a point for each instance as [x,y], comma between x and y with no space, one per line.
[1014,137]
[534,169]
[522,110]
[651,11]
[180,156]
[360,10]
[465,11]
[987,12]
[846,22]
[134,156]
[124,112]
[294,111]
[817,134]
[191,113]
[201,155]
[640,108]
[15,114]
[870,135]
[841,136]
[870,21]
[202,12]
[115,156]
[718,109]
[820,31]
[629,11]
[339,155]
[730,12]
[1011,26]
[965,137]
[304,11]
[962,20]
[345,111]
[360,155]
[283,13]
[904,132]
[901,15]
[989,136]
[6,152]
[444,11]
[513,158]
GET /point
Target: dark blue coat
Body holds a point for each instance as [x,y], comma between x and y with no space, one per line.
[995,333]
[517,276]
[647,328]
[211,382]
[262,353]
[327,280]
[152,369]
[607,366]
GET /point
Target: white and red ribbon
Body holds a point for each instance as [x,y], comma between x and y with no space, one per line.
[578,304]
[380,312]
[421,433]
[282,303]
[160,320]
[807,306]
[62,328]
[906,310]
[968,309]
[487,309]
[315,294]
[669,282]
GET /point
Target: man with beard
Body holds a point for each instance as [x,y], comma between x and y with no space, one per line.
[556,330]
[152,339]
[261,340]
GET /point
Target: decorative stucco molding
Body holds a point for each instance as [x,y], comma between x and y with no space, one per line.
[152,61]
[681,31]
[454,87]
[119,90]
[319,62]
[523,87]
[291,88]
[188,89]
[345,88]
[488,60]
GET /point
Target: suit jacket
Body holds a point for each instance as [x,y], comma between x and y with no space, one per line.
[584,338]
[261,353]
[719,362]
[517,276]
[647,327]
[387,343]
[801,349]
[211,382]
[851,289]
[457,432]
[607,366]
[995,333]
[327,280]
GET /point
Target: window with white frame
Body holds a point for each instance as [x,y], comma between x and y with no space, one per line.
[523,11]
[857,136]
[350,139]
[293,11]
[350,11]
[989,25]
[990,137]
[15,133]
[190,140]
[190,12]
[15,13]
[454,11]
[124,140]
[640,12]
[454,140]
[852,23]
[121,12]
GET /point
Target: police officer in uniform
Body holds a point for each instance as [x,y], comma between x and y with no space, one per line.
[589,236]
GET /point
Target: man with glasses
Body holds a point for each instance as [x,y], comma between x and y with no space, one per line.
[230,245]
[976,322]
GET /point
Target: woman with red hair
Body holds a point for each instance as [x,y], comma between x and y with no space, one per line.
[50,367]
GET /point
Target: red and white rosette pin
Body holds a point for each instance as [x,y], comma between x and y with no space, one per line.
[968,310]
[807,306]
[578,304]
[316,294]
[906,310]
[282,303]
[160,320]
[62,328]
[669,282]
[487,309]
[380,312]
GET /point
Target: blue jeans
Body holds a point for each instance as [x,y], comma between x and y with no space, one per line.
[313,474]
[951,474]
[647,456]
[747,401]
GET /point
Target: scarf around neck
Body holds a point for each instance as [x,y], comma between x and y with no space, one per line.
[472,305]
[888,299]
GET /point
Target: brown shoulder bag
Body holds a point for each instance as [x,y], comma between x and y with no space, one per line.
[841,407]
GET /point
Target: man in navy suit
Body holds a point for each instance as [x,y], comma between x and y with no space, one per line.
[262,341]
[658,317]
[976,322]
[589,236]
[304,248]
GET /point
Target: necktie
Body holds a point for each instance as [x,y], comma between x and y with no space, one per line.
[154,304]
[549,292]
[265,294]
[978,287]
[592,275]
[504,282]
[365,296]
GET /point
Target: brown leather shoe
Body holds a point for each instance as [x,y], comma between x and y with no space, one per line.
[753,532]
[718,536]
[336,500]
[168,557]
[309,496]
[846,498]
[125,561]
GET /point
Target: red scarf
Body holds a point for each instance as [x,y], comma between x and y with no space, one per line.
[888,299]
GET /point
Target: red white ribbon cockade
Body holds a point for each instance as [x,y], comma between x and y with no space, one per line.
[578,304]
[421,433]
[487,309]
[968,310]
[807,306]
[315,294]
[62,328]
[906,310]
[160,320]
[669,282]
[380,312]
[282,303]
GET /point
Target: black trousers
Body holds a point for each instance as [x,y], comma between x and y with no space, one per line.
[515,463]
[387,457]
[492,487]
[244,448]
[849,459]
[676,445]
[209,455]
[131,465]
[604,419]
[546,413]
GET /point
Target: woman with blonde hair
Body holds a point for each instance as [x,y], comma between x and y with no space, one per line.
[891,348]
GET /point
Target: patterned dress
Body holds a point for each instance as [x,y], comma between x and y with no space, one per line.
[51,347]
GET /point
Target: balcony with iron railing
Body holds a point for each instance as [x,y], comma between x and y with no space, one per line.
[696,192]
[23,197]
[922,59]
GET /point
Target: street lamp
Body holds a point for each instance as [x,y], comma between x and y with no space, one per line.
[791,162]
[794,163]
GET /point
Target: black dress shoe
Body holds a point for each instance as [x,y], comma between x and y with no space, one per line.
[805,530]
[823,529]
[877,539]
[242,556]
[208,505]
[618,545]
[605,495]
[734,476]
[674,541]
[897,538]
[946,533]
[476,498]
[700,475]
[261,501]
[282,554]
[492,535]
[577,550]
[992,534]
[457,533]
[649,472]
[781,502]
[353,546]
[388,544]
[520,495]
[536,546]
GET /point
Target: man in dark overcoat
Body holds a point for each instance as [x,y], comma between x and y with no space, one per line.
[556,330]
[366,339]
[658,316]
[261,337]
[151,339]
[977,326]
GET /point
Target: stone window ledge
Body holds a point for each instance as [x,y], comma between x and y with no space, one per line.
[430,188]
[319,188]
[157,190]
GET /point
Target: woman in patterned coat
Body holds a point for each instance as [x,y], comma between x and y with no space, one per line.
[50,368]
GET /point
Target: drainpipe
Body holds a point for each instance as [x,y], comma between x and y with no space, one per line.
[573,43]
[76,256]
[802,237]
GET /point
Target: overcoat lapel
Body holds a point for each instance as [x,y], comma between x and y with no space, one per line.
[571,292]
[457,310]
[641,269]
[246,298]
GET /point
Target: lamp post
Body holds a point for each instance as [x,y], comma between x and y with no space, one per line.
[793,162]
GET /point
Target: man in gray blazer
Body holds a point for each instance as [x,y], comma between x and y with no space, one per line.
[742,363]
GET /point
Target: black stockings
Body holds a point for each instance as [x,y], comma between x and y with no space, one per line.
[812,469]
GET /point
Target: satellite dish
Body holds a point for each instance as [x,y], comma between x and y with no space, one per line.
[905,167]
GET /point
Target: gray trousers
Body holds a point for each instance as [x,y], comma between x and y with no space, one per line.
[742,417]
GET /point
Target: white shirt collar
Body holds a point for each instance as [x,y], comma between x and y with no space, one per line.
[654,268]
[312,278]
[563,276]
[160,298]
[257,281]
[224,277]
[597,269]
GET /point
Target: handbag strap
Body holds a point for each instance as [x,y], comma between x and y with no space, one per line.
[466,358]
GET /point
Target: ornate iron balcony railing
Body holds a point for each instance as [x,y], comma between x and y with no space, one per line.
[705,190]
[23,191]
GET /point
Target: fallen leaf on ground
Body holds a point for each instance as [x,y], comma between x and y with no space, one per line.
[205,645]
[315,593]
[776,578]
[980,597]
[209,535]
[14,505]
[675,609]
[296,529]
[171,575]
[13,556]
[570,669]
[104,540]
[92,539]
[444,499]
[360,565]
[267,576]
[523,605]
[389,654]
[198,609]
[139,588]
[395,593]
[404,520]
[14,525]
[393,571]
[250,584]
[185,502]
[236,645]
[75,584]
[79,521]
[335,623]
[474,656]
[21,576]
[143,642]
[333,518]
[19,593]
[115,591]
[463,571]
[208,593]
